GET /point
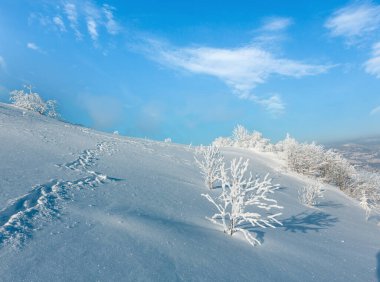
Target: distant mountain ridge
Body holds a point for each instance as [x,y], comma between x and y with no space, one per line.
[363,152]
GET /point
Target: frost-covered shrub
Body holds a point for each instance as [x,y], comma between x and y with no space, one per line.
[240,134]
[33,102]
[242,138]
[310,193]
[368,191]
[313,160]
[209,160]
[331,167]
[337,170]
[243,201]
[222,142]
[365,203]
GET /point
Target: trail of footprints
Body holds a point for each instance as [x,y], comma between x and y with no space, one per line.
[27,213]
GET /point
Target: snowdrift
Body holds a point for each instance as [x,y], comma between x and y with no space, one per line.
[81,205]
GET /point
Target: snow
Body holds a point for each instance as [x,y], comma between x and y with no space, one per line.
[81,205]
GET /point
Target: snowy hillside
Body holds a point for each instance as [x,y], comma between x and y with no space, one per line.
[81,205]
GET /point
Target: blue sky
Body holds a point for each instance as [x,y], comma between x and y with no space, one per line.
[192,70]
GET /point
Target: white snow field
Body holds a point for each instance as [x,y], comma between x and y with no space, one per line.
[81,205]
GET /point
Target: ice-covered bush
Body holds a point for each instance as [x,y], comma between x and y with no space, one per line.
[209,160]
[242,138]
[368,191]
[338,171]
[240,134]
[313,160]
[33,102]
[243,201]
[310,193]
[223,142]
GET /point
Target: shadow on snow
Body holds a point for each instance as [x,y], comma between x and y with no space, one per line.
[305,222]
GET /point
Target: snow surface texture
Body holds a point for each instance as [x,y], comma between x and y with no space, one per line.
[112,208]
[23,214]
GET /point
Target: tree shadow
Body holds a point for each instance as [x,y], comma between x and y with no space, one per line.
[378,267]
[305,222]
[329,204]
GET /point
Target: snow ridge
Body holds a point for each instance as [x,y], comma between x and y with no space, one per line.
[27,213]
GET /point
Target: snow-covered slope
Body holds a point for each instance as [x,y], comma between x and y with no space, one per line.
[80,205]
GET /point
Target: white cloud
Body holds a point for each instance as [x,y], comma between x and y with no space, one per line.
[354,21]
[2,63]
[242,69]
[375,111]
[33,46]
[111,25]
[80,17]
[273,104]
[276,24]
[91,26]
[72,15]
[59,23]
[372,66]
[93,16]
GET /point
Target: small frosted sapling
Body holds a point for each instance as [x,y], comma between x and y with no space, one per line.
[209,160]
[309,194]
[243,202]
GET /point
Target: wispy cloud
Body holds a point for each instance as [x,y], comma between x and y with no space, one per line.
[375,111]
[57,20]
[372,66]
[82,18]
[242,69]
[276,24]
[354,21]
[273,104]
[2,63]
[91,26]
[111,25]
[93,16]
[33,46]
[72,15]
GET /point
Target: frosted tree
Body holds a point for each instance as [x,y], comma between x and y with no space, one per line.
[243,202]
[240,135]
[209,160]
[258,142]
[288,148]
[29,101]
[310,193]
[33,102]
